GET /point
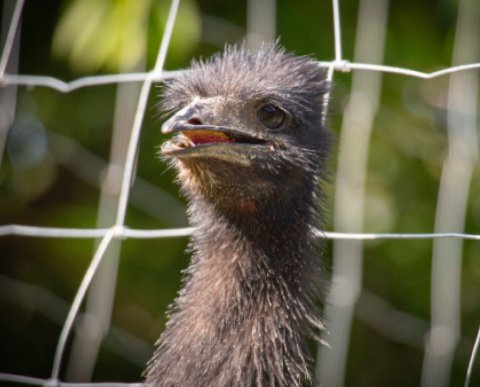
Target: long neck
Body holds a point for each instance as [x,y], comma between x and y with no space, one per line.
[246,307]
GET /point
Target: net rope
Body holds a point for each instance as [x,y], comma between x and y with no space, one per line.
[119,230]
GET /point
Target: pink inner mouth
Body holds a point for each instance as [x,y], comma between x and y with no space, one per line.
[206,136]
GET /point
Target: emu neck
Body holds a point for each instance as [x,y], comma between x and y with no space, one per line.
[246,306]
[273,229]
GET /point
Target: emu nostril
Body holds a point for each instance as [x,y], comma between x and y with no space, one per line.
[194,121]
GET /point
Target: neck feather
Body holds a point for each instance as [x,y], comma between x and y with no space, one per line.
[247,303]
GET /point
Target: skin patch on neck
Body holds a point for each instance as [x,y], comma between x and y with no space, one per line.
[248,206]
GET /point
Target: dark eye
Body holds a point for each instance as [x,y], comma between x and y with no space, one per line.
[271,116]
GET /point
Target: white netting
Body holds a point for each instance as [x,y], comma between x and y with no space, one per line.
[350,184]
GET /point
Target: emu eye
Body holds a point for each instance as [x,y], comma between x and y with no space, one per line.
[271,116]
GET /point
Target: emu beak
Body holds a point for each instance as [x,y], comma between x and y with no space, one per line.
[193,139]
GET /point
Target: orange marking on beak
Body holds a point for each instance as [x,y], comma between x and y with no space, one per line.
[206,136]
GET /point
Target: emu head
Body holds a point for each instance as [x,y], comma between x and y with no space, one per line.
[247,125]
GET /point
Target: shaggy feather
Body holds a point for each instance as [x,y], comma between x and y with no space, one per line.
[248,300]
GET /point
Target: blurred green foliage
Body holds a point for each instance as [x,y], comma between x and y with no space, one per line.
[69,39]
[112,35]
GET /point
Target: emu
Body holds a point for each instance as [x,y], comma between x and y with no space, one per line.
[249,148]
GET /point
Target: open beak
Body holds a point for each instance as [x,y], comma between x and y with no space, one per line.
[199,140]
